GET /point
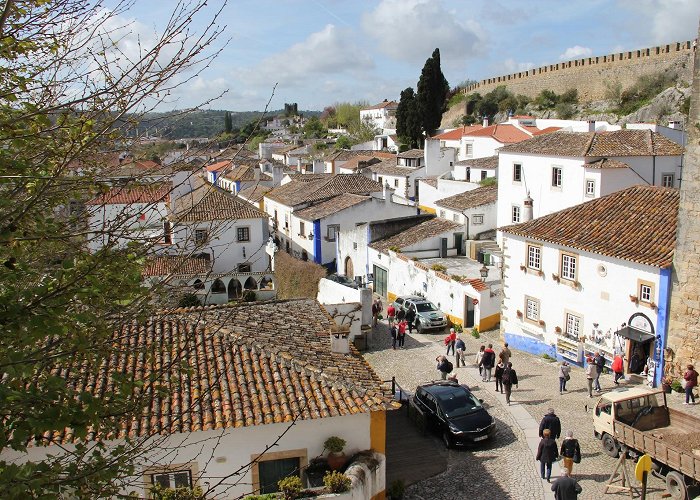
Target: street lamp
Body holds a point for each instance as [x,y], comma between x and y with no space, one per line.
[484,272]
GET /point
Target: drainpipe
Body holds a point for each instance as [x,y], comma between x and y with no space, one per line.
[467,223]
[653,170]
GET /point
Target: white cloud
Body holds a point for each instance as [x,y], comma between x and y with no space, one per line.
[667,20]
[330,51]
[409,30]
[511,66]
[576,52]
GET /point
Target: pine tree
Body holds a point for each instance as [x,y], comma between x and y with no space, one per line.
[228,122]
[432,94]
[408,119]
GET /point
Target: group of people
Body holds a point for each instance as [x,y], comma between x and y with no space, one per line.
[548,452]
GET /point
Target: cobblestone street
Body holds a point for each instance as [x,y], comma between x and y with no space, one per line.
[506,467]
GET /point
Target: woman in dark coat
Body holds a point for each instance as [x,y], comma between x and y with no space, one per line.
[547,453]
[410,318]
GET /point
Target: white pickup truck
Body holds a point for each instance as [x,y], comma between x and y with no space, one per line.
[637,420]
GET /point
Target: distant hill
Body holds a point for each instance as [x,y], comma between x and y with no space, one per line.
[200,123]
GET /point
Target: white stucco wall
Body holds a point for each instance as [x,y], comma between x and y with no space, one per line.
[466,217]
[346,299]
[481,147]
[445,187]
[123,224]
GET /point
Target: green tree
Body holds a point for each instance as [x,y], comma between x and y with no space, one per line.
[432,94]
[228,123]
[66,89]
[408,119]
[343,142]
[314,129]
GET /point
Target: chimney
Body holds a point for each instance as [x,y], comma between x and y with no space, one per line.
[591,125]
[276,175]
[256,173]
[527,205]
[676,125]
[385,191]
[340,339]
[486,121]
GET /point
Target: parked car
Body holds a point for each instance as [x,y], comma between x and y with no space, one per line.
[428,316]
[451,410]
[342,279]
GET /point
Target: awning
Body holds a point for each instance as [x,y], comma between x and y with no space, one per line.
[630,332]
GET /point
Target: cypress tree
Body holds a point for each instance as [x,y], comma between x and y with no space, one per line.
[408,119]
[228,122]
[432,94]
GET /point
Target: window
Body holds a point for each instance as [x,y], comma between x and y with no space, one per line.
[515,214]
[590,187]
[468,174]
[380,180]
[301,229]
[469,150]
[532,309]
[568,267]
[573,325]
[442,214]
[668,180]
[396,183]
[455,217]
[556,177]
[477,219]
[243,234]
[286,221]
[243,268]
[174,479]
[646,291]
[517,172]
[483,175]
[200,236]
[534,256]
[332,232]
[272,471]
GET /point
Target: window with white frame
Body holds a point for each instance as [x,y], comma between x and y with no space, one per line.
[201,236]
[302,228]
[455,217]
[469,150]
[286,221]
[556,177]
[568,267]
[243,233]
[532,309]
[573,325]
[515,213]
[668,180]
[332,232]
[534,257]
[173,479]
[646,291]
[380,180]
[442,214]
[517,172]
[477,219]
[590,187]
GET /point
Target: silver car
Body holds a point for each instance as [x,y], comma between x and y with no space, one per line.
[428,316]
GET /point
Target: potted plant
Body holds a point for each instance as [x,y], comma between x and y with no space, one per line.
[666,384]
[520,314]
[634,298]
[523,268]
[541,322]
[315,471]
[555,277]
[336,457]
[557,329]
[337,482]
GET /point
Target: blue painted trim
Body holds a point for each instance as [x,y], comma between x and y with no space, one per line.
[238,186]
[662,317]
[528,344]
[317,242]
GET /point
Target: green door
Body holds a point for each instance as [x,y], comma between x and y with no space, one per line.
[380,281]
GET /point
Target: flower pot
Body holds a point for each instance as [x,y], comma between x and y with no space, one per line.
[336,460]
[666,388]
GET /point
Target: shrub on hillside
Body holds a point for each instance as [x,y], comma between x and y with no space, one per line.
[297,278]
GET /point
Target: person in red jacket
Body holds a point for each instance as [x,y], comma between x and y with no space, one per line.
[618,368]
[391,313]
[691,380]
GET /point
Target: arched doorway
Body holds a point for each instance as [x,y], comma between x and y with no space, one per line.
[218,286]
[349,268]
[265,283]
[250,284]
[198,285]
[235,290]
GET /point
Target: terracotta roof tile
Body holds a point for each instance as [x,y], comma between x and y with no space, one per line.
[504,133]
[484,195]
[389,167]
[254,193]
[322,188]
[411,153]
[420,232]
[249,364]
[486,162]
[126,195]
[456,134]
[347,154]
[331,206]
[636,224]
[606,163]
[208,203]
[382,105]
[176,265]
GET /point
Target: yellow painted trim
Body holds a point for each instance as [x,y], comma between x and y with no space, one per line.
[428,209]
[454,319]
[391,297]
[379,496]
[489,322]
[377,431]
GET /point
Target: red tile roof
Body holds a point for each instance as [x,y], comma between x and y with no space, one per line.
[176,265]
[382,105]
[456,134]
[323,188]
[480,196]
[209,203]
[126,195]
[637,224]
[331,206]
[606,163]
[420,232]
[504,133]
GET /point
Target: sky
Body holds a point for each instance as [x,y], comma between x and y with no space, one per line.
[320,52]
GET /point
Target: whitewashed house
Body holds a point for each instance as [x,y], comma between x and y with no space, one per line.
[562,169]
[476,170]
[236,411]
[335,162]
[234,175]
[213,224]
[386,142]
[596,276]
[380,116]
[475,209]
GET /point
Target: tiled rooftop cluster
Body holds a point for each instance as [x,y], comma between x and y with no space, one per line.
[208,203]
[125,195]
[416,234]
[322,187]
[177,265]
[469,199]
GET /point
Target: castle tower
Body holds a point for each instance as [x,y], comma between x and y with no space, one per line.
[684,326]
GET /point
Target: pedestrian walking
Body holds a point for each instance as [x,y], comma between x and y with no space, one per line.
[400,315]
[590,374]
[391,313]
[508,380]
[564,376]
[552,423]
[376,310]
[498,372]
[566,488]
[505,354]
[546,454]
[410,318]
[488,360]
[479,356]
[450,341]
[402,333]
[691,381]
[394,333]
[444,367]
[460,347]
[599,361]
[618,368]
[570,451]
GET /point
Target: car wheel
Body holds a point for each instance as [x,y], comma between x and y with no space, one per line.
[675,485]
[419,327]
[447,439]
[610,447]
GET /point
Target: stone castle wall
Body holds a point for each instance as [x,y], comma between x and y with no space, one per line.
[684,324]
[590,75]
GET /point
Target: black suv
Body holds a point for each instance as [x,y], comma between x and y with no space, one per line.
[454,412]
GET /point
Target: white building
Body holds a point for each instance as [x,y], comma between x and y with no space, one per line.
[596,276]
[236,410]
[475,209]
[380,116]
[563,169]
[476,169]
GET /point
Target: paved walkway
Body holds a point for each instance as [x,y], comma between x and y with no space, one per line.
[506,468]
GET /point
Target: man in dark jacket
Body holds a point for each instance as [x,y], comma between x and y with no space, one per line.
[547,453]
[488,361]
[566,488]
[411,318]
[599,362]
[551,421]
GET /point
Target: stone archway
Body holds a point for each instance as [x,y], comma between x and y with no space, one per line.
[198,285]
[235,290]
[218,286]
[250,284]
[349,268]
[265,283]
